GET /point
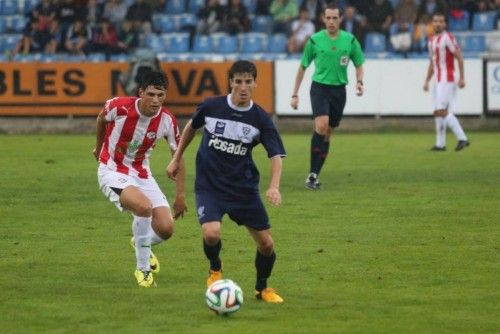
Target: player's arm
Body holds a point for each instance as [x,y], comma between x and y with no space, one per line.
[273,192]
[458,56]
[187,136]
[428,77]
[294,103]
[360,73]
[100,131]
[180,206]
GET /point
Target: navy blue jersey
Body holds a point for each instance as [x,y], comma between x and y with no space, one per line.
[224,161]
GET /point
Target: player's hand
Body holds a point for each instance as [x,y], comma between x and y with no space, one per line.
[274,196]
[172,169]
[461,83]
[359,89]
[179,206]
[294,103]
[426,86]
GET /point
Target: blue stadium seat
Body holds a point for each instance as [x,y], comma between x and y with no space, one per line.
[3,25]
[277,43]
[176,42]
[120,58]
[9,41]
[472,43]
[154,42]
[375,42]
[223,43]
[459,24]
[96,57]
[484,21]
[187,20]
[202,44]
[250,5]
[175,7]
[195,5]
[29,5]
[15,23]
[8,7]
[253,42]
[262,23]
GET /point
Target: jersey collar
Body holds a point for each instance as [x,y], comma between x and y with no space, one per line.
[139,110]
[230,103]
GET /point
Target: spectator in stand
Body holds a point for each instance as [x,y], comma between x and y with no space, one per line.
[262,7]
[128,38]
[105,39]
[78,38]
[422,33]
[302,29]
[236,18]
[379,17]
[56,38]
[353,24]
[315,10]
[405,15]
[210,17]
[44,12]
[66,13]
[430,7]
[93,14]
[157,5]
[35,38]
[115,11]
[140,14]
[283,12]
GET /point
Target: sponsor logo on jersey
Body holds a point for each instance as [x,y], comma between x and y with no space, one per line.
[219,128]
[201,211]
[151,135]
[228,147]
[344,60]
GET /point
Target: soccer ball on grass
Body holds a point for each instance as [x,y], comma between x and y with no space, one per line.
[224,297]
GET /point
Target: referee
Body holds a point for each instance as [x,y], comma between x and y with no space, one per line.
[331,49]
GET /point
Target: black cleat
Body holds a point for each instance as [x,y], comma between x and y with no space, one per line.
[461,145]
[438,149]
[312,182]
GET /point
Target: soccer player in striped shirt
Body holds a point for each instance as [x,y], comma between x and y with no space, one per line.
[443,50]
[128,129]
[227,180]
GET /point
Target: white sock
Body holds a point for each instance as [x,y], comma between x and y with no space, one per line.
[454,125]
[440,131]
[142,238]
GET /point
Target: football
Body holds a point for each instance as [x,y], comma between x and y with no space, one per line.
[224,297]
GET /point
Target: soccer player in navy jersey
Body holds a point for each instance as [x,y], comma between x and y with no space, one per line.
[226,176]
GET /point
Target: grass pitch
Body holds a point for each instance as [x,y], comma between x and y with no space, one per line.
[401,240]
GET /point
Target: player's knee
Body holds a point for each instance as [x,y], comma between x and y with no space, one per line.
[165,231]
[211,237]
[143,209]
[321,129]
[266,247]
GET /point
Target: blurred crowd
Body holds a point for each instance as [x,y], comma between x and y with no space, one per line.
[116,26]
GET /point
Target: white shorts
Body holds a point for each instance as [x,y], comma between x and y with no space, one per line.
[109,179]
[445,96]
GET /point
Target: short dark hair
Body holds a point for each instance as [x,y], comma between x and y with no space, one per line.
[154,78]
[243,66]
[438,13]
[333,6]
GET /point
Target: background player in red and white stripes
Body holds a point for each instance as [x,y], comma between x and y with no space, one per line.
[128,129]
[443,50]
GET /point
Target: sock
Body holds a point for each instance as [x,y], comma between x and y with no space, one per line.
[440,131]
[324,152]
[141,227]
[317,142]
[454,125]
[212,254]
[264,265]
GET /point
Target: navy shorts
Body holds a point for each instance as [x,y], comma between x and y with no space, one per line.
[248,210]
[328,100]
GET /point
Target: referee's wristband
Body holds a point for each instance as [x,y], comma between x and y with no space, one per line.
[360,82]
[294,96]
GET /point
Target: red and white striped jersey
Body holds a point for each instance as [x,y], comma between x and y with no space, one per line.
[442,48]
[130,136]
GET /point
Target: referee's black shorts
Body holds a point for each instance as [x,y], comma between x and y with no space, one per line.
[328,100]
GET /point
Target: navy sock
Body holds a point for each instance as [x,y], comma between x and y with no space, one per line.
[264,265]
[317,142]
[212,254]
[324,152]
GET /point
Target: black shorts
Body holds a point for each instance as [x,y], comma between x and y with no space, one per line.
[328,100]
[248,210]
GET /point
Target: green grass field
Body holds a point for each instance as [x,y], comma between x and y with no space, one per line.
[401,240]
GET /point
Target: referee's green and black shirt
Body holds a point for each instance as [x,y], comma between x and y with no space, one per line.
[331,56]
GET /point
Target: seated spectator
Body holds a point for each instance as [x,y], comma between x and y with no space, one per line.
[105,39]
[262,7]
[210,17]
[93,14]
[283,12]
[78,38]
[422,33]
[44,12]
[128,38]
[66,13]
[352,24]
[315,11]
[405,15]
[157,5]
[429,7]
[379,17]
[236,18]
[115,11]
[56,38]
[36,38]
[301,30]
[140,14]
